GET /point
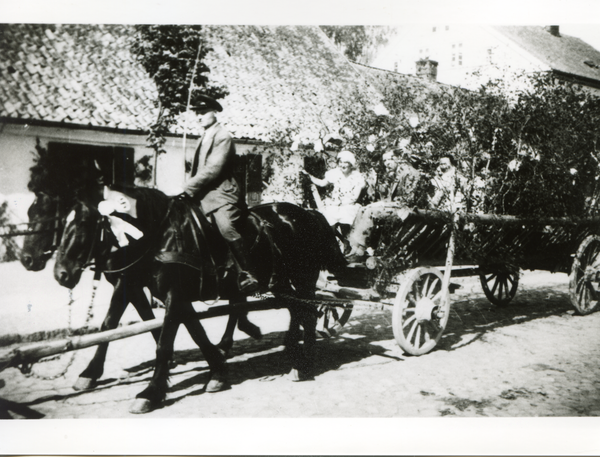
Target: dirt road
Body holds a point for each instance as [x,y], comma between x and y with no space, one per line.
[533,358]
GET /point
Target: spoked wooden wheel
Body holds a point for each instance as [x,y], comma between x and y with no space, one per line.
[499,284]
[420,311]
[332,319]
[583,281]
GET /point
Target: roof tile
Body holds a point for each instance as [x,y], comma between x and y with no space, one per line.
[276,76]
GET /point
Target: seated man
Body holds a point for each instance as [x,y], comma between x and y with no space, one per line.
[396,190]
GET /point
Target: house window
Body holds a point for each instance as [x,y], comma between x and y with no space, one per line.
[460,59]
[434,29]
[116,163]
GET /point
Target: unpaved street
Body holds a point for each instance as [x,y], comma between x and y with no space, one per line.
[532,358]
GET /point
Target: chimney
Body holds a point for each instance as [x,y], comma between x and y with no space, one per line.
[553,30]
[427,69]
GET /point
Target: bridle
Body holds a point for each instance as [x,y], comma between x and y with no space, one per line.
[98,258]
[57,228]
[99,229]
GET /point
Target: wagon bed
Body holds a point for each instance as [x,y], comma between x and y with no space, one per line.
[417,255]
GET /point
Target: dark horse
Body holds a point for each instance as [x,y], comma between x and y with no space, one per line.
[56,192]
[289,245]
[58,186]
[130,282]
[55,187]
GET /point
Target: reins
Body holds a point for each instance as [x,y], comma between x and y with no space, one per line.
[104,223]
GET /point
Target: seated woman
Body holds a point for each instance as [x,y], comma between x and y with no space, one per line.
[341,206]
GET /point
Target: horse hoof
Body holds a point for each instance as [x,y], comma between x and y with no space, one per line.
[142,406]
[215,385]
[299,376]
[84,383]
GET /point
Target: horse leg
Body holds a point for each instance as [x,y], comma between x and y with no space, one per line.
[153,395]
[245,325]
[144,308]
[305,315]
[227,339]
[241,318]
[213,355]
[293,350]
[88,377]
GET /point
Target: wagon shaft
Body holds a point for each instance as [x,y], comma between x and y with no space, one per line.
[31,353]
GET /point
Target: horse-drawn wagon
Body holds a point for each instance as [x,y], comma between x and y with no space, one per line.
[416,257]
[414,260]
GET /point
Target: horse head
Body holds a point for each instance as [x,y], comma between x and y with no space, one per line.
[80,244]
[45,226]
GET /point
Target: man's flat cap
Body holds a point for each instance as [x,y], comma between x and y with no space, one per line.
[204,102]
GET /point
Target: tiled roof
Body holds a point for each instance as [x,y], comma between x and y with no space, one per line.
[74,74]
[418,85]
[563,53]
[277,77]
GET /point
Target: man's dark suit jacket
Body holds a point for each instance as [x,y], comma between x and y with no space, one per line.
[212,183]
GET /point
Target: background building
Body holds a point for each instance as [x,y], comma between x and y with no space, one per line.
[462,50]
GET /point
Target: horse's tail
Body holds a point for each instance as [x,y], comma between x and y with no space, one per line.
[330,257]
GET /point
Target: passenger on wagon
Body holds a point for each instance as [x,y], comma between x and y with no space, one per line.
[447,186]
[342,205]
[213,186]
[396,189]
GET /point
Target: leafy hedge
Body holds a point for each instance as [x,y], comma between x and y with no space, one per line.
[535,147]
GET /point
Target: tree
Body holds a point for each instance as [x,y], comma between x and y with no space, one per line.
[173,57]
[534,147]
[358,41]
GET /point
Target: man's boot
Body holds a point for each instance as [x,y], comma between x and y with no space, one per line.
[247,281]
[357,253]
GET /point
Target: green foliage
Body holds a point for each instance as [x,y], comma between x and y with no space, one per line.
[172,55]
[351,38]
[534,148]
[359,42]
[9,250]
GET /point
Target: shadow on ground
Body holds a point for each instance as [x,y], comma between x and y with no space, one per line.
[361,338]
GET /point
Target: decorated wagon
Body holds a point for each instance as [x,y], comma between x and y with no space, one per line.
[413,265]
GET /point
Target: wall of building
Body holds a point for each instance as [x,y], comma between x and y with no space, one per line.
[17,147]
[459,50]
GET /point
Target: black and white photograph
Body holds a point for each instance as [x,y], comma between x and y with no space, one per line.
[296,225]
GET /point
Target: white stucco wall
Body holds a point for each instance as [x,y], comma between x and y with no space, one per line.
[17,145]
[459,50]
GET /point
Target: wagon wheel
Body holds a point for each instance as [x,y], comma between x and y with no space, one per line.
[583,281]
[421,311]
[499,284]
[332,318]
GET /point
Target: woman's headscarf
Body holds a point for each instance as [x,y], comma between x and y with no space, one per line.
[347,156]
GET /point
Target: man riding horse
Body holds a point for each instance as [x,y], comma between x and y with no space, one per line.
[213,187]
